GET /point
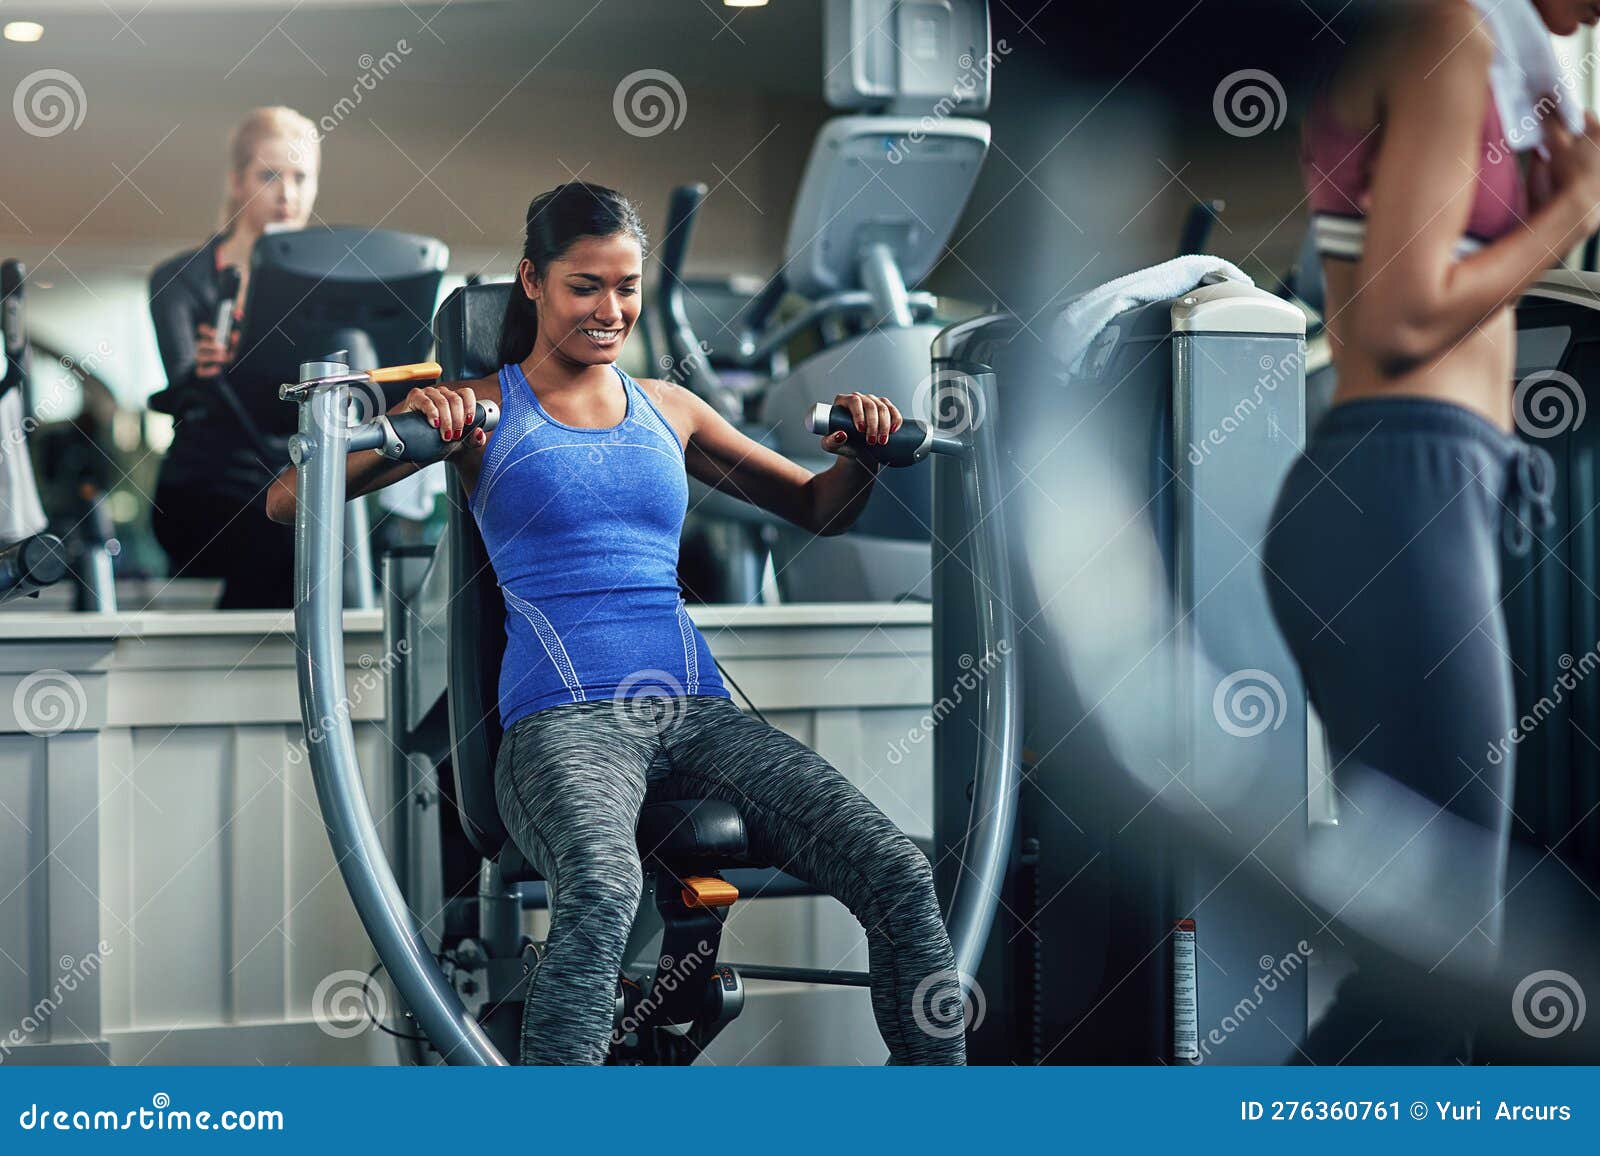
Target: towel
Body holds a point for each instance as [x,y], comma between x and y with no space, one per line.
[1527,72]
[1085,317]
[21,514]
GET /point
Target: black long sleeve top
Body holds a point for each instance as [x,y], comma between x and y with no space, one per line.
[211,449]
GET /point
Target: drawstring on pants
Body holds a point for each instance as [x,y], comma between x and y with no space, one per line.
[1530,492]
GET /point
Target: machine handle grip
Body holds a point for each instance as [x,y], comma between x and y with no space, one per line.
[410,437]
[421,371]
[906,446]
[29,565]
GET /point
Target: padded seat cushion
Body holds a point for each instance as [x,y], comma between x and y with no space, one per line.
[691,829]
[687,829]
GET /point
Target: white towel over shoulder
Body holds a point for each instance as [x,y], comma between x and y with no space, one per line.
[1526,71]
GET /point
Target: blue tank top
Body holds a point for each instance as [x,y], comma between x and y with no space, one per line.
[582,526]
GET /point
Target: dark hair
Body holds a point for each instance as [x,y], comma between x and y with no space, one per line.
[557,219]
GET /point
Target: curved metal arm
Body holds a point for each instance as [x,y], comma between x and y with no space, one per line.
[967,388]
[690,364]
[319,451]
[992,819]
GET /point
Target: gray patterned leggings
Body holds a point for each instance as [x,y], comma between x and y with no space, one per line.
[570,781]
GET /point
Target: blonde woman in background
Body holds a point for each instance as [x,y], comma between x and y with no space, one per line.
[210,503]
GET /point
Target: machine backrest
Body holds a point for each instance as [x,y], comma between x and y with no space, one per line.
[467,328]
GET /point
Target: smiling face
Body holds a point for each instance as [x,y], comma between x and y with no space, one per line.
[278,187]
[1563,17]
[589,298]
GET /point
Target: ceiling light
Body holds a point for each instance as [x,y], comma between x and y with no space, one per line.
[24,31]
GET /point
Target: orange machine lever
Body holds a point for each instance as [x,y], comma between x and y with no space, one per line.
[708,891]
[421,371]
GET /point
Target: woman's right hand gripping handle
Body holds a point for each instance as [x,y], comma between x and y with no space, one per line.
[454,412]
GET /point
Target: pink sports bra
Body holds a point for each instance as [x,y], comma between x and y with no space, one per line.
[1337,167]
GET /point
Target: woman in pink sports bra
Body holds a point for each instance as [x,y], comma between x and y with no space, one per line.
[1383,558]
[1419,295]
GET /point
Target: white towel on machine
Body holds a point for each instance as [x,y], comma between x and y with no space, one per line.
[1526,71]
[21,513]
[1085,316]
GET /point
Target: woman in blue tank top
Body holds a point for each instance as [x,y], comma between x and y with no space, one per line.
[607,687]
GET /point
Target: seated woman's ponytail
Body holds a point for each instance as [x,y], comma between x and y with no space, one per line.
[556,219]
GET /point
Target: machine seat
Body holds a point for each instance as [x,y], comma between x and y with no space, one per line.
[700,831]
[696,829]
